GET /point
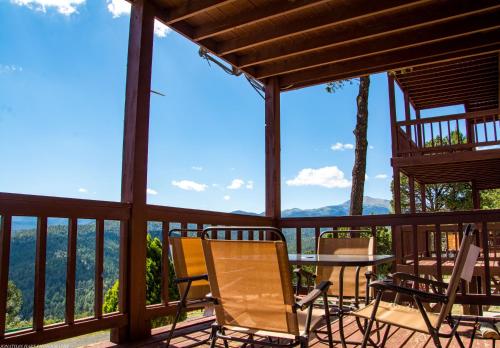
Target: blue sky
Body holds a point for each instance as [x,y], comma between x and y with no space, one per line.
[62,84]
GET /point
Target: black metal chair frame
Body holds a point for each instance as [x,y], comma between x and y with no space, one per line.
[183,302]
[218,331]
[340,310]
[419,298]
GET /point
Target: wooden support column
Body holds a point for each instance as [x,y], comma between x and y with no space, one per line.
[423,198]
[420,140]
[397,241]
[134,170]
[476,197]
[273,150]
[407,114]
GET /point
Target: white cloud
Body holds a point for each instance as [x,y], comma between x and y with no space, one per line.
[198,168]
[6,69]
[367,177]
[236,184]
[342,147]
[83,190]
[249,185]
[150,191]
[381,176]
[189,185]
[371,147]
[64,7]
[330,177]
[161,30]
[227,198]
[120,8]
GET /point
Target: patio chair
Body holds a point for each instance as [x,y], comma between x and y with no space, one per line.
[253,294]
[356,280]
[190,273]
[418,319]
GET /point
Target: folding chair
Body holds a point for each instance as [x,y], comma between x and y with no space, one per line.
[418,319]
[356,280]
[253,294]
[190,272]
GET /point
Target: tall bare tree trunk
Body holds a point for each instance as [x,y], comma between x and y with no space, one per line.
[359,168]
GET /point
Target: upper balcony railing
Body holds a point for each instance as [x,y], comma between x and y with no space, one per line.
[446,134]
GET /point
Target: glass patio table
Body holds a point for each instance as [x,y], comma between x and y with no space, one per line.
[341,261]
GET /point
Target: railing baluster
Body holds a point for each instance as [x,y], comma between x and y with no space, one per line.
[199,227]
[437,248]
[40,262]
[476,132]
[440,134]
[495,127]
[5,232]
[432,133]
[261,235]
[165,264]
[415,251]
[184,228]
[423,135]
[240,235]
[71,270]
[317,232]
[250,234]
[450,140]
[122,298]
[485,129]
[486,254]
[298,237]
[99,267]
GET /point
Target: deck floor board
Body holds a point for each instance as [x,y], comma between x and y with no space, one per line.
[192,334]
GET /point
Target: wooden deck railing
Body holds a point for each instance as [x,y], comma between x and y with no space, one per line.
[12,205]
[416,238]
[420,243]
[432,134]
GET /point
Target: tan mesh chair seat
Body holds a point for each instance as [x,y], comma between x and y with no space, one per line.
[317,316]
[252,291]
[402,316]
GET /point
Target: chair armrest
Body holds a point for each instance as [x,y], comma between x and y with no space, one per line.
[411,277]
[191,279]
[310,298]
[424,296]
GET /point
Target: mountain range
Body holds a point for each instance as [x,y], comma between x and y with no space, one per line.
[371,206]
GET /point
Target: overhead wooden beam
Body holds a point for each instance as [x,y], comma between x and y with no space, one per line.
[437,75]
[191,8]
[271,10]
[273,150]
[422,14]
[461,27]
[454,101]
[476,43]
[345,11]
[452,70]
[135,165]
[451,82]
[467,95]
[476,60]
[452,88]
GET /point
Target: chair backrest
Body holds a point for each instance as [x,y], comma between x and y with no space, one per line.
[252,284]
[328,244]
[189,261]
[463,269]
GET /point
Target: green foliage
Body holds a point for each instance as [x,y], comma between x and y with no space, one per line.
[111,298]
[332,87]
[14,302]
[153,282]
[490,199]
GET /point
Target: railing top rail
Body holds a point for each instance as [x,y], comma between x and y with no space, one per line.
[173,214]
[428,218]
[466,115]
[31,205]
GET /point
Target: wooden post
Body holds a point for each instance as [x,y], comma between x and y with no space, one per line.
[411,184]
[420,140]
[397,241]
[423,198]
[273,150]
[476,197]
[134,170]
[407,114]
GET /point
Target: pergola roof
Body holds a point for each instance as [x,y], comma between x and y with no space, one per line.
[471,81]
[307,42]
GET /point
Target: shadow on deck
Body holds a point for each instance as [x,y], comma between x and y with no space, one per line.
[195,331]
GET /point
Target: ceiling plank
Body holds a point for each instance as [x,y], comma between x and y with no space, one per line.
[192,8]
[351,10]
[482,42]
[393,42]
[440,78]
[420,14]
[272,10]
